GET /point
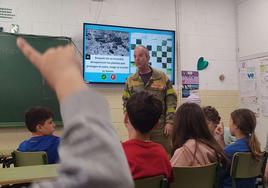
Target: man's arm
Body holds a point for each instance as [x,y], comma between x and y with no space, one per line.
[91,154]
[171,105]
[125,96]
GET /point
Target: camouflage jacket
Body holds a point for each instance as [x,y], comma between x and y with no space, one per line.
[159,85]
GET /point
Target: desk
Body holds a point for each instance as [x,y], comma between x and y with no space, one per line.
[27,174]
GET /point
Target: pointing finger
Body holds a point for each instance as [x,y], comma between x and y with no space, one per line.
[33,55]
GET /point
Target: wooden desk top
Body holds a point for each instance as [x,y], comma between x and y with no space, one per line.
[27,174]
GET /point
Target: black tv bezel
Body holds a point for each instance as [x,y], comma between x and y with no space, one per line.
[121,83]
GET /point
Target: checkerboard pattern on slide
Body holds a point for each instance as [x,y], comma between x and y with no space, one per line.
[160,50]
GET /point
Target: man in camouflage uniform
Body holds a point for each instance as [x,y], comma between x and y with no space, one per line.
[155,82]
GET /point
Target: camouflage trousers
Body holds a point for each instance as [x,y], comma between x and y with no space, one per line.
[158,136]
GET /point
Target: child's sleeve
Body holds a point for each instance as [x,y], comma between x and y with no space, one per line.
[91,153]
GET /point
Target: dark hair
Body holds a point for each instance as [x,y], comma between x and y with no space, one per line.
[190,123]
[245,120]
[212,114]
[37,115]
[144,111]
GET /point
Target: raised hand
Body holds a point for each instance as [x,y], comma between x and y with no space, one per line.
[59,66]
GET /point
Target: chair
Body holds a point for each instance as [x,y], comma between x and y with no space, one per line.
[195,177]
[151,182]
[261,177]
[29,158]
[244,165]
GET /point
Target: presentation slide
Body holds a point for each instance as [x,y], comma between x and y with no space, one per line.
[109,51]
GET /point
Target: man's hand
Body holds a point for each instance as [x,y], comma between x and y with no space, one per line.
[168,129]
[219,130]
[59,66]
[219,134]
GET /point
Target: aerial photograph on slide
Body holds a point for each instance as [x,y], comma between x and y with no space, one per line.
[110,43]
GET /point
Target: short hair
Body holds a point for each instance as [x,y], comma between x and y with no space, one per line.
[212,114]
[36,115]
[146,51]
[144,111]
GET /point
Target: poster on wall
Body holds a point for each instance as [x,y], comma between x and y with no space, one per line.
[251,103]
[264,77]
[8,13]
[190,82]
[249,86]
[264,106]
[248,79]
[264,85]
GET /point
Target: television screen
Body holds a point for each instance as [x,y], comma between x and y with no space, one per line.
[108,51]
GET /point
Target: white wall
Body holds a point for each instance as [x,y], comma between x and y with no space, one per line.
[208,29]
[252,27]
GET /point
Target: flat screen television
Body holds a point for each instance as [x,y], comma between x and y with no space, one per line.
[108,51]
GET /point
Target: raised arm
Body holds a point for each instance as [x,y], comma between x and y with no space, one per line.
[91,154]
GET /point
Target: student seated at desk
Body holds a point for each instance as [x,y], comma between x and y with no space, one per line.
[145,158]
[213,120]
[39,122]
[242,125]
[193,144]
[220,133]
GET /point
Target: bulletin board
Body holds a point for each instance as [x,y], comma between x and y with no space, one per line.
[253,77]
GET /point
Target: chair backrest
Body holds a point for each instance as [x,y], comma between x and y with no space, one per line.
[245,165]
[195,177]
[29,158]
[264,162]
[151,182]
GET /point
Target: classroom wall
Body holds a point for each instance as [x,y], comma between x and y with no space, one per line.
[252,27]
[253,42]
[208,29]
[199,25]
